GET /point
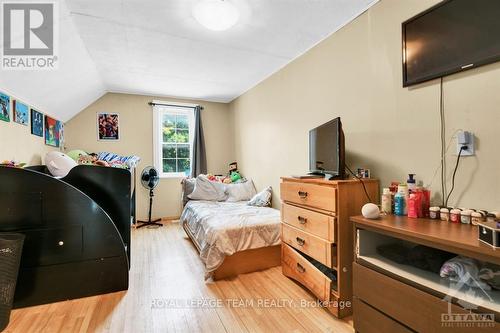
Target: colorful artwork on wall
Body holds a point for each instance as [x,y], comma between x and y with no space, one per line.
[36,123]
[20,114]
[4,107]
[52,131]
[108,128]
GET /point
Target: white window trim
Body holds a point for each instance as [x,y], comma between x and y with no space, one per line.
[158,111]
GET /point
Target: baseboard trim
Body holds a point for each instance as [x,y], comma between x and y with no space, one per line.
[170,218]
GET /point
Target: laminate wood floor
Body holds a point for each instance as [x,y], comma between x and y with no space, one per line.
[167,293]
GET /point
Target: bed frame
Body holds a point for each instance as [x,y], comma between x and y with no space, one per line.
[77,231]
[245,261]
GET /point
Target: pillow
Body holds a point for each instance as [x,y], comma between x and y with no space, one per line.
[262,199]
[59,164]
[240,191]
[187,189]
[204,189]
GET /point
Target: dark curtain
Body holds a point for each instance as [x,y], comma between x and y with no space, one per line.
[199,163]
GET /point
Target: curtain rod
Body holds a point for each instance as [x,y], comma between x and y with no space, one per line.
[174,105]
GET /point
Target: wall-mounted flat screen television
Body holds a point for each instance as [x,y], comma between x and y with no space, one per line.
[453,36]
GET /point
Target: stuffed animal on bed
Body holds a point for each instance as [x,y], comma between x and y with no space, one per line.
[59,164]
[77,154]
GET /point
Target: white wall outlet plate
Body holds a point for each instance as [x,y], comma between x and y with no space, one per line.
[465,138]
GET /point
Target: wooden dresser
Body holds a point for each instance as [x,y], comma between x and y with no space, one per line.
[317,238]
[404,298]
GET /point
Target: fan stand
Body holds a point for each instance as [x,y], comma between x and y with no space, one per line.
[149,222]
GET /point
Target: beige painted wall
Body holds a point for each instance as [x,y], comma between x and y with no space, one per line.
[18,144]
[136,124]
[356,74]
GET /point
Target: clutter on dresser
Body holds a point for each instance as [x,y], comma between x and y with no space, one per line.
[410,199]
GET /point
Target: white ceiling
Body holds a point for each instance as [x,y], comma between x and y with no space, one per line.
[155,47]
[64,92]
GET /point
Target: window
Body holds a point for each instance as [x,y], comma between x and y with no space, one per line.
[173,139]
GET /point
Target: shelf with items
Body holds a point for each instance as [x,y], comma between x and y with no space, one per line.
[477,294]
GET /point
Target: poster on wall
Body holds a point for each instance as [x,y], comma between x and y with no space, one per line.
[52,131]
[108,128]
[20,114]
[36,123]
[4,107]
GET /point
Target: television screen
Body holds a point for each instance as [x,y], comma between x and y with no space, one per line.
[326,149]
[452,36]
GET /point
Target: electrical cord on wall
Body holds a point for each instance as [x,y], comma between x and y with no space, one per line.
[362,182]
[443,141]
[454,174]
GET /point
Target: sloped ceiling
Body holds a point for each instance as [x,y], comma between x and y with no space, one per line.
[155,47]
[64,92]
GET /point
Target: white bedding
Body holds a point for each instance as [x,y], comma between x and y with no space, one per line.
[222,228]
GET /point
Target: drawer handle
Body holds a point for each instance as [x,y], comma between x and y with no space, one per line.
[300,268]
[61,243]
[302,220]
[302,194]
[300,241]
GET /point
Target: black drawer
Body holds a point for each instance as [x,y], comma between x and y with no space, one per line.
[52,246]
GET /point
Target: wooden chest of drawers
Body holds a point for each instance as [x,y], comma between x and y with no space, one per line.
[317,242]
[405,298]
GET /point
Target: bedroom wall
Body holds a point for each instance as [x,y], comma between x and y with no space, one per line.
[16,141]
[356,74]
[136,123]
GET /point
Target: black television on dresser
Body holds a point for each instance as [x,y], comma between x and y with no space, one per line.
[450,37]
[326,150]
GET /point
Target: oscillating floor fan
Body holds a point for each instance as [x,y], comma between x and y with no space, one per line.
[149,179]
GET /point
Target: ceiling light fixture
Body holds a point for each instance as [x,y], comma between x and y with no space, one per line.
[216,15]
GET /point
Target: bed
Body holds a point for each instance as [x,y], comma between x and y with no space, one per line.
[77,230]
[233,237]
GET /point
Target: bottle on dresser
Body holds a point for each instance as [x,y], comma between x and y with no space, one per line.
[401,200]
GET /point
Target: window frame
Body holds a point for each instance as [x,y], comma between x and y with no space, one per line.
[172,109]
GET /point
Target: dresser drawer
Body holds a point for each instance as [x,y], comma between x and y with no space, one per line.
[315,223]
[312,195]
[414,308]
[315,247]
[365,316]
[298,268]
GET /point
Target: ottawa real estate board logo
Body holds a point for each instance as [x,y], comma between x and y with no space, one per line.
[30,31]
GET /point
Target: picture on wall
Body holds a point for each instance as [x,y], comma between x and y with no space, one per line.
[52,131]
[4,107]
[20,114]
[108,127]
[36,123]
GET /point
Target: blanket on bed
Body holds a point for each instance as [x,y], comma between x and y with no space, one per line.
[222,228]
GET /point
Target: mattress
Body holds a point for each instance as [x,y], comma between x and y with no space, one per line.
[220,229]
